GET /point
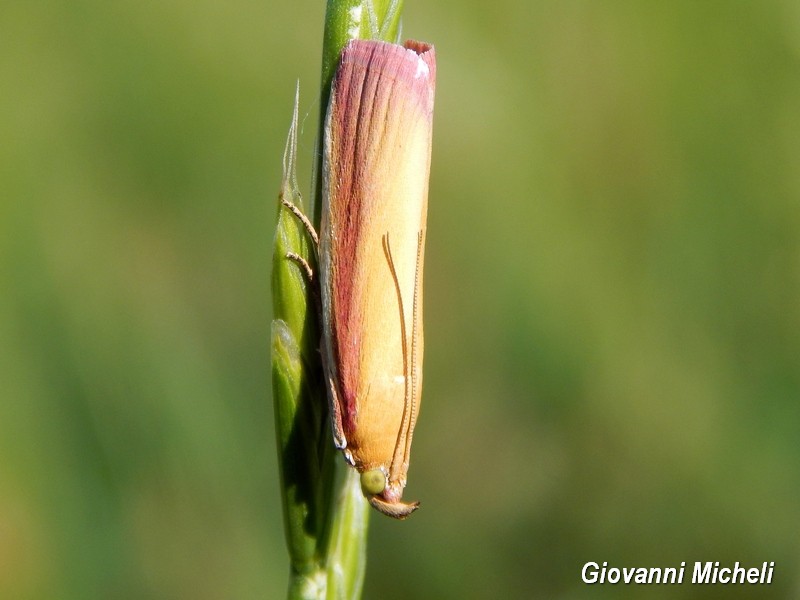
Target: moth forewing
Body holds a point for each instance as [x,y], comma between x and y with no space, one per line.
[375,192]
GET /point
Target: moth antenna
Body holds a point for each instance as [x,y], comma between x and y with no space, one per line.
[414,344]
[403,431]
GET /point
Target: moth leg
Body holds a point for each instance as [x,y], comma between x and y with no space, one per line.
[303,219]
[303,264]
[339,439]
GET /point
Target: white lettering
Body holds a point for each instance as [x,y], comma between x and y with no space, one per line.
[702,575]
[709,572]
[738,571]
[593,574]
[627,574]
[670,572]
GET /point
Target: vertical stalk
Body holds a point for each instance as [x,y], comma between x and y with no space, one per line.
[346,20]
[325,513]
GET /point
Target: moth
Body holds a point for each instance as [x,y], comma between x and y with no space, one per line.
[375,170]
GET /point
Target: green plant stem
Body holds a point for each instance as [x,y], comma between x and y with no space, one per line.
[306,456]
[346,20]
[325,513]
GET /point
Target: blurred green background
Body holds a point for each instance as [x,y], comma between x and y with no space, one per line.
[612,297]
